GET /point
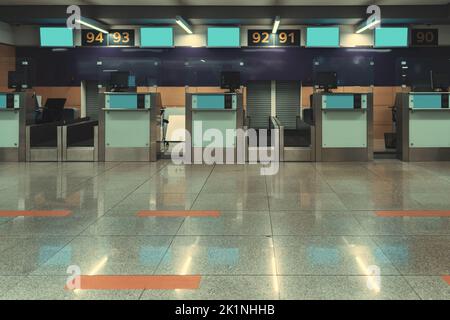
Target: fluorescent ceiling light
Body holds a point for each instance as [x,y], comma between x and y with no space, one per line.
[182,23]
[276,24]
[363,28]
[87,24]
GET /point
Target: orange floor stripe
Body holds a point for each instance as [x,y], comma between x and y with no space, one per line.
[138,282]
[35,213]
[180,213]
[446,279]
[414,213]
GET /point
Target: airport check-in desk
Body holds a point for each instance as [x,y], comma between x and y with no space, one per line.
[423,126]
[128,126]
[79,141]
[220,112]
[13,114]
[343,126]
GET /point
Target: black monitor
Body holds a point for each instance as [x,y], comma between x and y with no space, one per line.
[55,103]
[53,110]
[326,80]
[119,80]
[230,80]
[421,88]
[440,81]
[18,80]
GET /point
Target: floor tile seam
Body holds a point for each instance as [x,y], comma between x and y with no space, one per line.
[173,236]
[95,175]
[397,268]
[273,244]
[412,287]
[131,192]
[203,186]
[49,258]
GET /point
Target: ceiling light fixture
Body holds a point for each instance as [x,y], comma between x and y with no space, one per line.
[276,24]
[364,26]
[87,24]
[183,24]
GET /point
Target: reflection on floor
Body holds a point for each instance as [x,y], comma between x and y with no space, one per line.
[309,232]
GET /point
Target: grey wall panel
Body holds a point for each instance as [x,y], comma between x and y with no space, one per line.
[258,104]
[92,103]
[288,102]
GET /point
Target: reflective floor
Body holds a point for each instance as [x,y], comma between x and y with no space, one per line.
[309,232]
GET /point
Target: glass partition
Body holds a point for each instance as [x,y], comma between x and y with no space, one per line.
[203,71]
[354,73]
[142,72]
[423,74]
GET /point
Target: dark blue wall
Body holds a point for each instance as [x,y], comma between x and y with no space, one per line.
[184,66]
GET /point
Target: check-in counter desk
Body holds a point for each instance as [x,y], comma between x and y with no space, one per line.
[43,142]
[13,110]
[80,141]
[219,112]
[423,126]
[343,126]
[128,126]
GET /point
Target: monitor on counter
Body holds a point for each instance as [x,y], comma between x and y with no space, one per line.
[440,81]
[230,80]
[120,80]
[55,103]
[326,80]
[18,80]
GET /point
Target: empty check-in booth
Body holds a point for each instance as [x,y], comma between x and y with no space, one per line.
[342,105]
[211,121]
[128,126]
[422,110]
[13,114]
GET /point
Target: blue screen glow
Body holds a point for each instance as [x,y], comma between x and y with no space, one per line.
[157,37]
[224,37]
[391,37]
[56,37]
[325,37]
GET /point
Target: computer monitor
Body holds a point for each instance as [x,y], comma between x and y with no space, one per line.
[326,80]
[55,103]
[18,80]
[440,81]
[53,110]
[230,80]
[119,80]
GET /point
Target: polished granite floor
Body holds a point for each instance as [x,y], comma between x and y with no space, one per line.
[309,232]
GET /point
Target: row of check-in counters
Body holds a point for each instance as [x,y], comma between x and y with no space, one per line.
[22,139]
[75,140]
[338,127]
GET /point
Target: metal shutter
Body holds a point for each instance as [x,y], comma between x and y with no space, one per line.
[92,103]
[258,104]
[288,103]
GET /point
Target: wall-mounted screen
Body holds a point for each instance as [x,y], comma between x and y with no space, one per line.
[322,37]
[157,37]
[223,37]
[56,37]
[391,37]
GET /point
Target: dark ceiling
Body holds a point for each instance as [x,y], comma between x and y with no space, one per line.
[240,15]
